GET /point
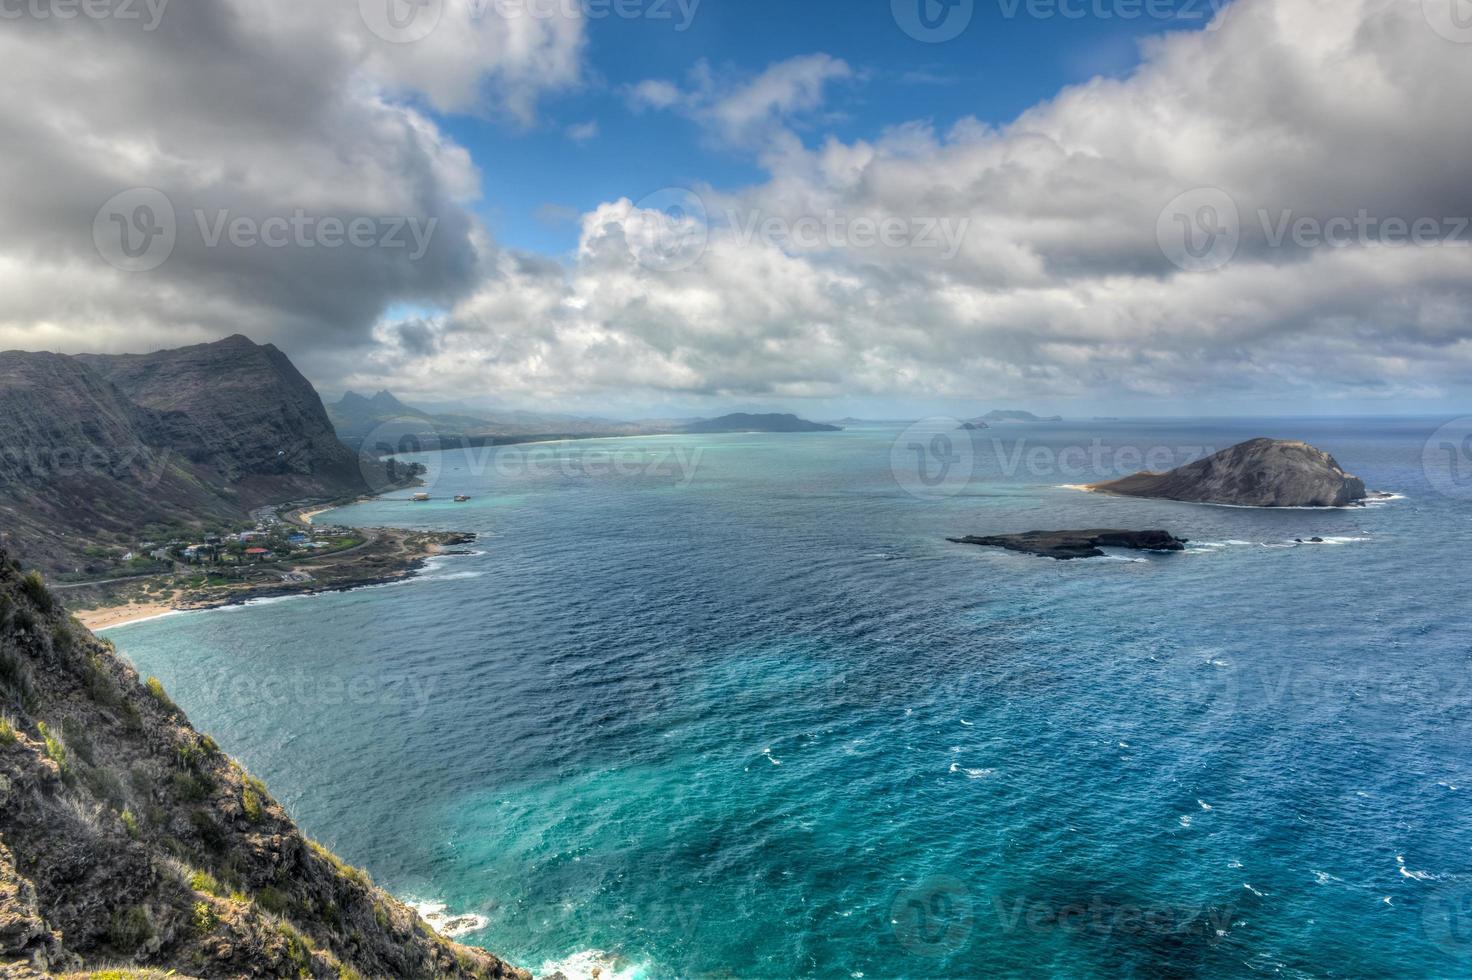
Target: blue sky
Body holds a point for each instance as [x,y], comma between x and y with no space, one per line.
[537,178]
[1083,200]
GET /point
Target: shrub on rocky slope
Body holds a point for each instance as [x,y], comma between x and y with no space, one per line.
[129,841]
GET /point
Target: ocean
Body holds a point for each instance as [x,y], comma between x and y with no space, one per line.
[731,706]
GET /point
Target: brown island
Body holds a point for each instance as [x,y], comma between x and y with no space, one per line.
[1257,473]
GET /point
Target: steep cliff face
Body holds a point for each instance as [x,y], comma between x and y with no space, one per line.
[1258,473]
[95,450]
[243,411]
[80,462]
[127,839]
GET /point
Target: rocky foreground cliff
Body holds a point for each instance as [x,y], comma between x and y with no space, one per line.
[1258,473]
[129,841]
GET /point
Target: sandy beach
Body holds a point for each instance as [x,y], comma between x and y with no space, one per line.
[111,616]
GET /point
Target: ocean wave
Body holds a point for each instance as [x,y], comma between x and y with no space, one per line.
[583,965]
[449,924]
[972,773]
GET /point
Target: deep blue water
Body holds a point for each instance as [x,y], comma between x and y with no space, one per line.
[766,722]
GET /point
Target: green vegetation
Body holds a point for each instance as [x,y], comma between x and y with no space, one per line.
[298,953]
[252,804]
[272,901]
[344,869]
[7,731]
[130,928]
[34,588]
[55,750]
[156,688]
[130,824]
[204,919]
[203,881]
[17,681]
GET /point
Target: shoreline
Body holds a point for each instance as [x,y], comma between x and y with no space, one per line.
[418,549]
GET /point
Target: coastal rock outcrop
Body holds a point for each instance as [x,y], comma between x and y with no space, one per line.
[1065,545]
[1258,473]
[129,841]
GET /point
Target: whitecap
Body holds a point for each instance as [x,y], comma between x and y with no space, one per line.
[1186,820]
[1203,804]
[1400,861]
[967,723]
[448,924]
[1251,889]
[580,966]
[972,773]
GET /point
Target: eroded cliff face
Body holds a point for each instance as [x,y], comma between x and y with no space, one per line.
[128,840]
[104,451]
[1257,473]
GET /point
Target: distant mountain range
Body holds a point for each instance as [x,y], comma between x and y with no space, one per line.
[1004,415]
[98,450]
[742,422]
[383,423]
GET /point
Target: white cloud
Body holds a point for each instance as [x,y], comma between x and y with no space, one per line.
[746,110]
[583,132]
[1060,286]
[255,108]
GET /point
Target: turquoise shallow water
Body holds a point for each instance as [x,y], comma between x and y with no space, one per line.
[764,721]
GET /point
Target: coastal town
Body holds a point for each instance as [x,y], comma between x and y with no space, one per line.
[281,552]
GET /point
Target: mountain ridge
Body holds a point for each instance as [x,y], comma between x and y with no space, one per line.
[95,448]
